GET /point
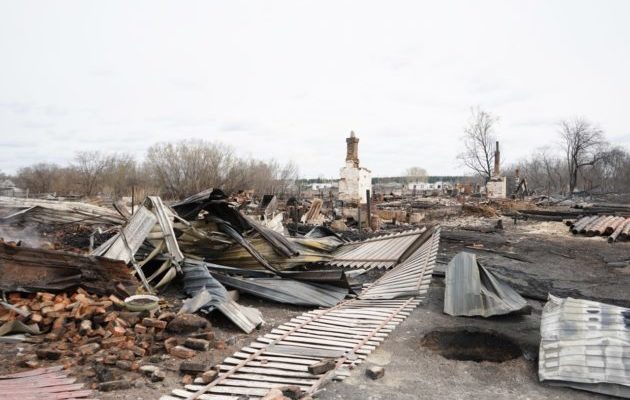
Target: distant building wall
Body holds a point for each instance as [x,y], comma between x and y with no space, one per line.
[496,188]
[354,182]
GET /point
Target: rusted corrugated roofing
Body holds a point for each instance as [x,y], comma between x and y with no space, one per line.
[42,383]
[380,252]
[585,345]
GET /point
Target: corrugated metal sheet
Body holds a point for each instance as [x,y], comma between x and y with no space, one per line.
[286,290]
[123,246]
[472,290]
[53,211]
[197,279]
[380,252]
[152,222]
[585,345]
[165,219]
[42,383]
[410,278]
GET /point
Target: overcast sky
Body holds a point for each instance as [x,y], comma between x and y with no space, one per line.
[290,79]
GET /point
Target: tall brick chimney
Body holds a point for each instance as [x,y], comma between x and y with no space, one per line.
[352,150]
[497,160]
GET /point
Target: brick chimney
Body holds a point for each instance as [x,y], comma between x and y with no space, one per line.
[352,150]
[497,160]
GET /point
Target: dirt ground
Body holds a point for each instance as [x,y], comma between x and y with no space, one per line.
[534,257]
[558,262]
[413,371]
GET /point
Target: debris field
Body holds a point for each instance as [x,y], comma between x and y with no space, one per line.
[220,297]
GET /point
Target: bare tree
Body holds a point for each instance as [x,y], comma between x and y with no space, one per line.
[610,174]
[545,172]
[91,167]
[38,178]
[416,174]
[479,143]
[120,175]
[287,177]
[190,166]
[582,144]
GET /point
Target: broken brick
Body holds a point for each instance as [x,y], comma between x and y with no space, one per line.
[154,323]
[192,367]
[114,385]
[375,372]
[187,379]
[48,354]
[322,366]
[187,323]
[89,349]
[158,375]
[140,329]
[209,376]
[170,343]
[182,352]
[197,344]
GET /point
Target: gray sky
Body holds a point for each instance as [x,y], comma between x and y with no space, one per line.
[290,79]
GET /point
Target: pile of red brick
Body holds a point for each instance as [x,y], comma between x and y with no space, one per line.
[83,328]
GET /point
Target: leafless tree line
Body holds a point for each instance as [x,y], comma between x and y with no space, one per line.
[173,170]
[582,160]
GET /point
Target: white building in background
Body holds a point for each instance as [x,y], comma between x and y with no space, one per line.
[322,186]
[355,180]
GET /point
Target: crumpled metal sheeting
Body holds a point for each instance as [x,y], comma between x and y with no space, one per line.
[151,223]
[197,279]
[287,291]
[124,245]
[238,256]
[472,290]
[380,252]
[585,345]
[54,212]
[165,218]
[411,277]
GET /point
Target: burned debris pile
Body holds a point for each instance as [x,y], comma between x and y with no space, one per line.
[93,309]
[29,269]
[116,296]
